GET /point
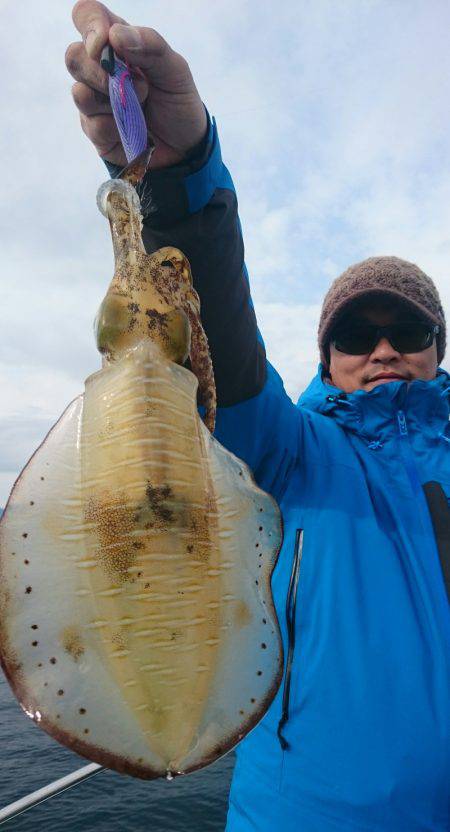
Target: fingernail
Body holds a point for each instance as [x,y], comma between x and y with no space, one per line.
[90,41]
[129,36]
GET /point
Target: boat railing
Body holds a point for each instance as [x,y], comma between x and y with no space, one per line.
[52,789]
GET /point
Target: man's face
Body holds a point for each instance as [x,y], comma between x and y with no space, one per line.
[384,364]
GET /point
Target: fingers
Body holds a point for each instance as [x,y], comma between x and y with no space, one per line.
[85,69]
[102,132]
[141,46]
[90,102]
[93,21]
[147,49]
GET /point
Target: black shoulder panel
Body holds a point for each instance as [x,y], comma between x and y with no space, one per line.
[440,516]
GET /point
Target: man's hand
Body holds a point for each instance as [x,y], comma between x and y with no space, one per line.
[172,106]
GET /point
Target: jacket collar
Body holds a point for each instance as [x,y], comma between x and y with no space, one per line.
[374,414]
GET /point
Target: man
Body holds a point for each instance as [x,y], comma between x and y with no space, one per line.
[358,737]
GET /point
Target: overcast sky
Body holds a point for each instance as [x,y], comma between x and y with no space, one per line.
[334,121]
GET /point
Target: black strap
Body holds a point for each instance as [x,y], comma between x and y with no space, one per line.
[290,621]
[440,517]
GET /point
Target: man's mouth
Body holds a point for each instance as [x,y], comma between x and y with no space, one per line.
[388,377]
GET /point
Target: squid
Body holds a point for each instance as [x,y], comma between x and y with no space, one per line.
[136,619]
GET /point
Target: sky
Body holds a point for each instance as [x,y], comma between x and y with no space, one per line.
[334,122]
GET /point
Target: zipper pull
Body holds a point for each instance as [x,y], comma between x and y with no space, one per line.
[402,423]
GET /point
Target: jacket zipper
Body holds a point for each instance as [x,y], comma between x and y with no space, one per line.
[403,428]
[408,460]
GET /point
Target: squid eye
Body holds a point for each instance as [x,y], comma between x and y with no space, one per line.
[166,263]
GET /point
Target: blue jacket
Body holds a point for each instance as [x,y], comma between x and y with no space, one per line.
[367,727]
[369,718]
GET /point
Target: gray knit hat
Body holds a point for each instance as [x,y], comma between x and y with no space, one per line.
[381,276]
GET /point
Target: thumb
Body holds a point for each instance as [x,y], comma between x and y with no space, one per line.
[142,47]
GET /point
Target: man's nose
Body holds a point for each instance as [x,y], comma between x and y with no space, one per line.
[384,351]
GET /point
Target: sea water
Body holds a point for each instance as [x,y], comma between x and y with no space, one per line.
[108,802]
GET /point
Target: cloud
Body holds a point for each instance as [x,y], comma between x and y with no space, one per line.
[334,121]
[290,334]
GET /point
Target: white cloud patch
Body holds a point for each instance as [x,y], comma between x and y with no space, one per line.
[290,334]
[334,121]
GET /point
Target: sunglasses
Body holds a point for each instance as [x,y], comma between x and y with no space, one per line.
[361,339]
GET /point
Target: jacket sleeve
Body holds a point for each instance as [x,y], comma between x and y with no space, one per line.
[193,206]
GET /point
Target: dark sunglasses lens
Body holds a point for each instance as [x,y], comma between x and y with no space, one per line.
[413,337]
[356,340]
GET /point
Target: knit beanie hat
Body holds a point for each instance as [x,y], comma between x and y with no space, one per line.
[381,276]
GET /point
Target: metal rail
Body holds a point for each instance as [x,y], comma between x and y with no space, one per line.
[50,790]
